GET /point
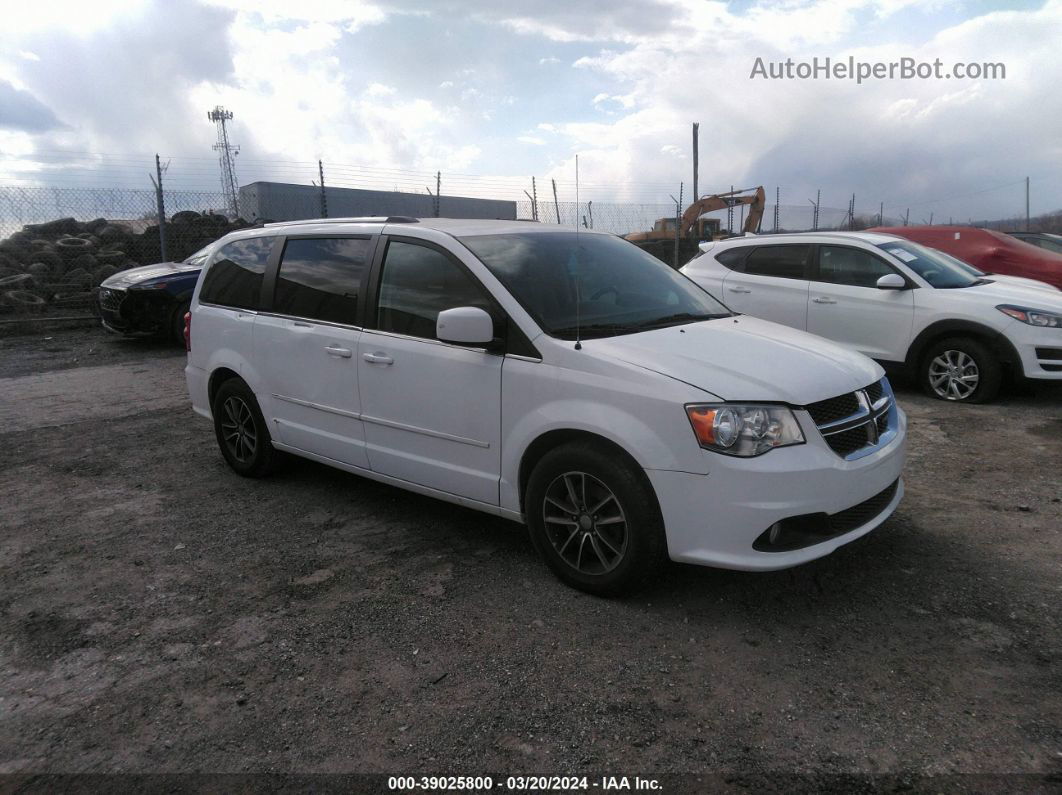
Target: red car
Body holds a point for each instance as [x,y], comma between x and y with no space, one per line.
[992,252]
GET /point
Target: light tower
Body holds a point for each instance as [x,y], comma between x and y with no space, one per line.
[226,159]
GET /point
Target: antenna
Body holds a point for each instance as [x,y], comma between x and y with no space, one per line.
[578,298]
[226,159]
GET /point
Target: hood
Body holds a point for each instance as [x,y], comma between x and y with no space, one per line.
[1010,291]
[1020,282]
[745,358]
[146,273]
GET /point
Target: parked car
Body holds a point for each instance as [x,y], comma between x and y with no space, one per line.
[992,252]
[901,303]
[151,299]
[1045,240]
[560,378]
[999,278]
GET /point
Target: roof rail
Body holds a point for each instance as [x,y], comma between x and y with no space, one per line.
[367,219]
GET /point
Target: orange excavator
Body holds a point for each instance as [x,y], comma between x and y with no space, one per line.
[692,228]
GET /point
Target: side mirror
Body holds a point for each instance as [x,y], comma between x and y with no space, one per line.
[892,281]
[465,325]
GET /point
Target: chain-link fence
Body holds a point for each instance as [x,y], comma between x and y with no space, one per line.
[58,244]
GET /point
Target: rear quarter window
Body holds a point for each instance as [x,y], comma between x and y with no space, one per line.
[235,277]
[732,258]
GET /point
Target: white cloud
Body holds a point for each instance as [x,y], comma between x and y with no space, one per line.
[549,60]
[531,139]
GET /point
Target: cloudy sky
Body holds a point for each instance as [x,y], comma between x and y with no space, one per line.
[491,92]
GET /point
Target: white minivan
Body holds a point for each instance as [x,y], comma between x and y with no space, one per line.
[561,378]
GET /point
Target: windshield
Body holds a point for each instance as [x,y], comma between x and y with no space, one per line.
[199,258]
[603,284]
[939,270]
[977,273]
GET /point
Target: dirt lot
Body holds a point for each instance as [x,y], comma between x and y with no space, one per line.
[158,613]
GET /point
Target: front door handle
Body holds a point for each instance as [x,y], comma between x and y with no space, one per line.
[342,353]
[739,289]
[822,299]
[377,358]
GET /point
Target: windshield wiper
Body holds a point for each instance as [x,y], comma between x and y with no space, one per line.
[595,329]
[678,317]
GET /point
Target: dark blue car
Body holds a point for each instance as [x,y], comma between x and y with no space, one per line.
[151,299]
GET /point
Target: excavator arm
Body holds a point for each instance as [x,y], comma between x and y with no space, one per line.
[757,201]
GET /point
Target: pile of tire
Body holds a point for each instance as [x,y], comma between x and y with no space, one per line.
[60,263]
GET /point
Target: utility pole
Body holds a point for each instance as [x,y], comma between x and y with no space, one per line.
[438,196]
[696,158]
[324,197]
[160,207]
[818,200]
[226,159]
[907,217]
[534,199]
[1026,204]
[881,213]
[851,214]
[777,199]
[556,204]
[730,212]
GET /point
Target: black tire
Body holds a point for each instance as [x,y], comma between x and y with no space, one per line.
[640,552]
[250,453]
[948,366]
[175,328]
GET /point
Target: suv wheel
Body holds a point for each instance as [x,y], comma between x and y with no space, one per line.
[960,369]
[594,519]
[242,432]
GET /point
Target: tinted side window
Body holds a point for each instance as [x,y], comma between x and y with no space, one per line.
[417,283]
[732,258]
[785,262]
[852,266]
[321,278]
[235,278]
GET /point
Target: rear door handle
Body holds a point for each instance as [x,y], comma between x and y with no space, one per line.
[377,358]
[739,289]
[824,300]
[343,353]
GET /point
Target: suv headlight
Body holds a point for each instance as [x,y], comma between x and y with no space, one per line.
[743,430]
[1034,317]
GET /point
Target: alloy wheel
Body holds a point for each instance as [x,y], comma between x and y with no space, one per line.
[954,375]
[585,523]
[237,428]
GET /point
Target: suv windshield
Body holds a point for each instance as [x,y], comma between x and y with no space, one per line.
[603,284]
[930,265]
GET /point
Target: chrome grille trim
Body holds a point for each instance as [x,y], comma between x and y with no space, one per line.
[876,416]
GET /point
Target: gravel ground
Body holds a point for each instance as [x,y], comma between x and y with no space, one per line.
[160,614]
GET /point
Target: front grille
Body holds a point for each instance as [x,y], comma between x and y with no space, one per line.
[875,391]
[855,421]
[833,409]
[859,515]
[111,300]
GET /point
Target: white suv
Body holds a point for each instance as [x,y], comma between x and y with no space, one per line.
[903,304]
[560,378]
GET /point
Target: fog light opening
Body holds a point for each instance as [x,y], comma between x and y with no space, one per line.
[774,533]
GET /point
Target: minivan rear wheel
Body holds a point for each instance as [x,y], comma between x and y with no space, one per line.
[241,431]
[594,519]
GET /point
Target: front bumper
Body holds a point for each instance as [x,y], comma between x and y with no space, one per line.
[714,519]
[1040,350]
[130,312]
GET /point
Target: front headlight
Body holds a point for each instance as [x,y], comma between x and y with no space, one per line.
[743,430]
[1033,317]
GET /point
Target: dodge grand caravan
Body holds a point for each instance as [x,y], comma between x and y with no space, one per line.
[560,378]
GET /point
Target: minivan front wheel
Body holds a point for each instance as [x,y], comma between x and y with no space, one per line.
[594,519]
[241,431]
